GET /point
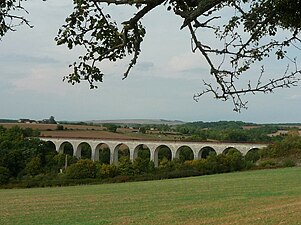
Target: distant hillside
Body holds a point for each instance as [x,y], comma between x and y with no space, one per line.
[8,121]
[221,124]
[138,121]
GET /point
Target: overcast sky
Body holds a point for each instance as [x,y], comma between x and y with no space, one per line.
[161,86]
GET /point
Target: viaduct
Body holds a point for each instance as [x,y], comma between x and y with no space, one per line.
[198,148]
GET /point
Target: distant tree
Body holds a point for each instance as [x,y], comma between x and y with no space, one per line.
[236,135]
[289,146]
[60,127]
[111,127]
[52,120]
[142,130]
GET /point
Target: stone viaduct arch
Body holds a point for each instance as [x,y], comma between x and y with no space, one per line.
[153,146]
[136,150]
[178,150]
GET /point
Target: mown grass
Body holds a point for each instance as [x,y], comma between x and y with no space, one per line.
[255,197]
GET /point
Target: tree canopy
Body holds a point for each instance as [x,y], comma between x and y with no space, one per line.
[247,32]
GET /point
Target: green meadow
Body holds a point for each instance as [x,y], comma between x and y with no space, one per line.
[253,197]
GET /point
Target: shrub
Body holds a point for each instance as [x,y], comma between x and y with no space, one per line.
[269,163]
[252,156]
[250,165]
[60,127]
[166,165]
[111,127]
[288,163]
[235,161]
[107,171]
[200,165]
[139,166]
[84,168]
[60,160]
[4,175]
[121,179]
[34,166]
[125,166]
[288,146]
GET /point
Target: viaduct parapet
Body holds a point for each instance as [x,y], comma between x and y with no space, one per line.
[175,147]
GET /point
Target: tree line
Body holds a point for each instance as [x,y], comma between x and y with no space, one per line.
[227,131]
[26,161]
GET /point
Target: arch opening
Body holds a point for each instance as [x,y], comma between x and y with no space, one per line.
[162,154]
[121,152]
[66,148]
[205,152]
[253,155]
[102,153]
[49,147]
[230,150]
[184,153]
[84,151]
[142,151]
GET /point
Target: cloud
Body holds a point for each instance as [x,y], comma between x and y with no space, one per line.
[186,62]
[42,80]
[13,58]
[186,66]
[295,97]
[144,66]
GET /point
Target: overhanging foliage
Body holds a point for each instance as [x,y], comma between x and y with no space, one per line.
[253,31]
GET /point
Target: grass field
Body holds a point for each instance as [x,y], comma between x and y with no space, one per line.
[256,197]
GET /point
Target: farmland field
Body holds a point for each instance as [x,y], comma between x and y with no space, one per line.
[89,132]
[44,127]
[255,197]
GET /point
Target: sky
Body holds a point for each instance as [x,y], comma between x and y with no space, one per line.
[161,85]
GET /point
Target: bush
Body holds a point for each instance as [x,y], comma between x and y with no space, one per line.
[4,175]
[34,166]
[235,161]
[252,156]
[288,163]
[60,127]
[111,127]
[121,179]
[290,145]
[84,168]
[139,166]
[250,165]
[125,166]
[166,165]
[269,163]
[200,165]
[107,171]
[60,160]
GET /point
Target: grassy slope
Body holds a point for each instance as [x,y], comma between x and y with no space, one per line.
[257,197]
